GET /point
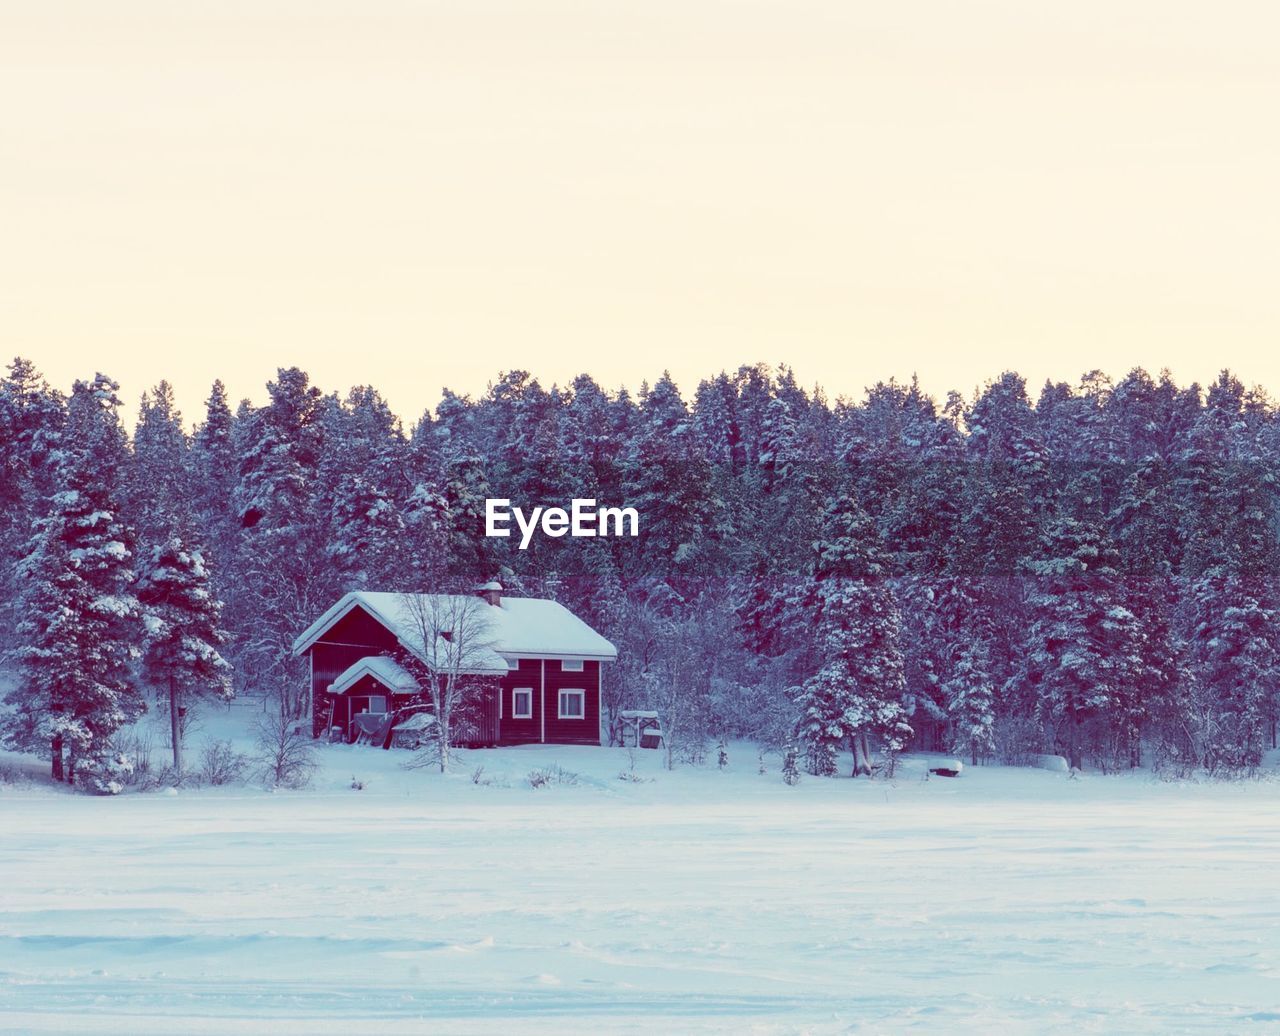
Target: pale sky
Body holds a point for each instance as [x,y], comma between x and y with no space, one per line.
[419,194]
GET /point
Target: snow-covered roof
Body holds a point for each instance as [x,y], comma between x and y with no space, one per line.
[519,627]
[387,671]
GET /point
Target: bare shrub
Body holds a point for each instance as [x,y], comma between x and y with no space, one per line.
[1017,740]
[221,764]
[551,775]
[285,756]
[13,776]
[135,745]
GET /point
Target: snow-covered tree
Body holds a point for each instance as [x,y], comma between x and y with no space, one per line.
[182,656]
[856,694]
[367,537]
[80,632]
[159,473]
[31,419]
[450,647]
[1233,666]
[1083,647]
[970,694]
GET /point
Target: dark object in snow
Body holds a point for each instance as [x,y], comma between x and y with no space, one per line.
[947,767]
[372,728]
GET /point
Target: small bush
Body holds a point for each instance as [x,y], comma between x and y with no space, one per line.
[790,771]
[135,745]
[221,764]
[168,777]
[631,777]
[286,756]
[550,775]
[107,775]
[11,775]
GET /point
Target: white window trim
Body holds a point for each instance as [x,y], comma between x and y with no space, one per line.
[521,715]
[582,697]
[571,665]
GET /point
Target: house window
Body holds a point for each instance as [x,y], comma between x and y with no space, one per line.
[374,703]
[522,703]
[571,666]
[573,704]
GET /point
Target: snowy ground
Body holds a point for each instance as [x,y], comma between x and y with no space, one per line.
[1003,901]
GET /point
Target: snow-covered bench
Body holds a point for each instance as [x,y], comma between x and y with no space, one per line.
[643,728]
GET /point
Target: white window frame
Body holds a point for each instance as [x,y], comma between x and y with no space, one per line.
[571,665]
[582,698]
[515,713]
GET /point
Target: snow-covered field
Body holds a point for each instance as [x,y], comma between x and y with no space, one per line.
[1003,901]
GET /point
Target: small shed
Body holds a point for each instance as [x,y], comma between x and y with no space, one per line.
[639,729]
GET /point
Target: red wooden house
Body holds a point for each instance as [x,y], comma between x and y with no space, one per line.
[541,664]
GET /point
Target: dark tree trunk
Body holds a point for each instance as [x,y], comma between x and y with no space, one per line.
[861,756]
[1073,745]
[175,726]
[57,770]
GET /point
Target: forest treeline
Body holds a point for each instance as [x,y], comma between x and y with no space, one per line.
[1090,570]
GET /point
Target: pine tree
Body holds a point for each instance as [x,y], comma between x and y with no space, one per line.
[970,693]
[159,469]
[471,554]
[181,657]
[31,420]
[1083,646]
[367,537]
[857,692]
[427,524]
[284,576]
[213,464]
[1233,662]
[790,771]
[80,631]
[669,481]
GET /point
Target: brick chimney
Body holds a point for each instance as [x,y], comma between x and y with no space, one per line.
[491,592]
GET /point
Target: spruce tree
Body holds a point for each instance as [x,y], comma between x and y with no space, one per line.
[182,654]
[367,536]
[1083,646]
[80,630]
[857,692]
